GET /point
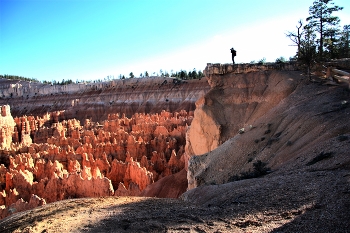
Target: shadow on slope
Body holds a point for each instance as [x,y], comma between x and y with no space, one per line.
[313,201]
[305,124]
[278,203]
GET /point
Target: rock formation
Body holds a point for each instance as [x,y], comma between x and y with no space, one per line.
[45,159]
[269,115]
[7,127]
[234,102]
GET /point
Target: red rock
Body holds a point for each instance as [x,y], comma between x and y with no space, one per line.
[21,205]
[58,159]
[171,186]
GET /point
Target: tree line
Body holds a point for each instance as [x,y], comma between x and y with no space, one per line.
[320,38]
[182,74]
[15,77]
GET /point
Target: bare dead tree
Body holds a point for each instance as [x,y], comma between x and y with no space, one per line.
[295,37]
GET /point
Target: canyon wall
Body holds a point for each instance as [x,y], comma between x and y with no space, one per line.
[274,116]
[239,94]
[95,101]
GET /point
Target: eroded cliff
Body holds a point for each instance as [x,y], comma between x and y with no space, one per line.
[95,101]
[273,116]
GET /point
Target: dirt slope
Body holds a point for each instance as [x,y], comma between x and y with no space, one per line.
[313,201]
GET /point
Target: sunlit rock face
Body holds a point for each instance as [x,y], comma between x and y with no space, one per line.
[7,127]
[46,159]
[273,115]
[239,95]
[234,101]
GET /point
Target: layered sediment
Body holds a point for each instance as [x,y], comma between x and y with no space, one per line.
[95,101]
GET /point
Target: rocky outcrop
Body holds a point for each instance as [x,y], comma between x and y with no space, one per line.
[21,205]
[277,117]
[234,102]
[220,69]
[57,159]
[171,186]
[6,127]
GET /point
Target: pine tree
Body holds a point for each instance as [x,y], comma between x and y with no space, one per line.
[321,19]
[343,46]
[308,50]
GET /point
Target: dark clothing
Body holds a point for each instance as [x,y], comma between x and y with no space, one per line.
[233,55]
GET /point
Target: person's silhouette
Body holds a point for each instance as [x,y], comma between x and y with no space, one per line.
[233,55]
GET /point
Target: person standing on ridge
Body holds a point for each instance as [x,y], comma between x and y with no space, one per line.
[233,51]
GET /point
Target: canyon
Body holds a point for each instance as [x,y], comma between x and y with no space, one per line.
[250,148]
[49,156]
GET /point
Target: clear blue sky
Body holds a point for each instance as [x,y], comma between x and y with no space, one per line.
[91,39]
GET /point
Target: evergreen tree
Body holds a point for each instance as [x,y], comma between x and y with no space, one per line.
[183,74]
[343,45]
[308,50]
[194,74]
[330,43]
[321,19]
[200,74]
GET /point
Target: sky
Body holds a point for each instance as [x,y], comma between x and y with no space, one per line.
[92,39]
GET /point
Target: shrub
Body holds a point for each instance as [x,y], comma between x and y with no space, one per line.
[259,169]
[320,157]
[262,61]
[342,138]
[280,60]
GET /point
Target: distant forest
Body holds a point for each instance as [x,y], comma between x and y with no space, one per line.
[182,74]
[15,77]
